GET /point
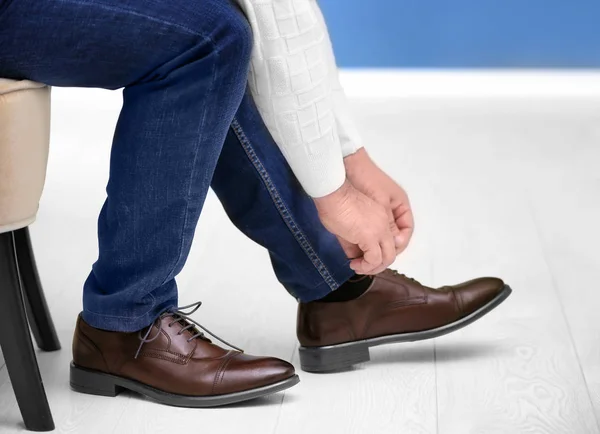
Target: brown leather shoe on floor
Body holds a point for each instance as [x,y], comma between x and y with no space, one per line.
[173,364]
[395,308]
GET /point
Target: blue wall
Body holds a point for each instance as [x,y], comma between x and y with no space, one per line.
[465,33]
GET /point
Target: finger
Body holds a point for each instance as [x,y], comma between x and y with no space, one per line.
[392,222]
[360,266]
[400,244]
[357,265]
[388,250]
[398,239]
[373,255]
[403,240]
[403,217]
[371,259]
[405,222]
[352,251]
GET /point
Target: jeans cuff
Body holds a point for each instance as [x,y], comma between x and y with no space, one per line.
[119,324]
[340,276]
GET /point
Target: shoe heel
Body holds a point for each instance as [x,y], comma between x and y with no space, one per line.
[92,382]
[332,358]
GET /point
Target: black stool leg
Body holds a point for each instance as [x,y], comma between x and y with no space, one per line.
[15,341]
[40,320]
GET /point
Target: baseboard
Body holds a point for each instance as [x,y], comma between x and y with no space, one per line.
[396,83]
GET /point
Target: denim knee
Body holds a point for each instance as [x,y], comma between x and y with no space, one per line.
[240,37]
[229,30]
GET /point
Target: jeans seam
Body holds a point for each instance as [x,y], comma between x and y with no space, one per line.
[187,206]
[135,13]
[282,208]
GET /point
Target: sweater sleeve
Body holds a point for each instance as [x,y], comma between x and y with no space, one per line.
[291,81]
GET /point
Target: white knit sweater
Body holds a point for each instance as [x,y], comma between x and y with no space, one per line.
[294,81]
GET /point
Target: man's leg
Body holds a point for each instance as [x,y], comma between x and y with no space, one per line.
[265,201]
[335,330]
[184,68]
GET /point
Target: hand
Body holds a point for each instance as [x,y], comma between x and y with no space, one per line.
[370,180]
[361,225]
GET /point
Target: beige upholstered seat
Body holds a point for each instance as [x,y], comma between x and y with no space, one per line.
[24,140]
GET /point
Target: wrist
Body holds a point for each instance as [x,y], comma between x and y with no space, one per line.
[356,162]
[335,199]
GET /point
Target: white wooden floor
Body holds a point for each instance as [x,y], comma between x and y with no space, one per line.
[502,187]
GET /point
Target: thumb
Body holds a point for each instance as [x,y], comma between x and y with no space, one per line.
[398,238]
[352,251]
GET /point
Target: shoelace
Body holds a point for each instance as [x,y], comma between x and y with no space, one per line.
[395,273]
[179,314]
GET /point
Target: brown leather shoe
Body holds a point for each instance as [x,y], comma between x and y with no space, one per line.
[173,364]
[395,308]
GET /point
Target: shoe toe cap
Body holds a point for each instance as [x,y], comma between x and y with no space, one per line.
[245,372]
[476,293]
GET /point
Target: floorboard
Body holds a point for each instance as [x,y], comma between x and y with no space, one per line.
[504,187]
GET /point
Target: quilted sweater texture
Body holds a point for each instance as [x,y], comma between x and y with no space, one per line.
[295,84]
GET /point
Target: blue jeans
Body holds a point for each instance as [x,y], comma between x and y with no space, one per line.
[187,123]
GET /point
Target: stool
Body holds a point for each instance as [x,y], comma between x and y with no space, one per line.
[24,141]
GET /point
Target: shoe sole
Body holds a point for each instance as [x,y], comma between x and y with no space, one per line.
[342,356]
[99,383]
